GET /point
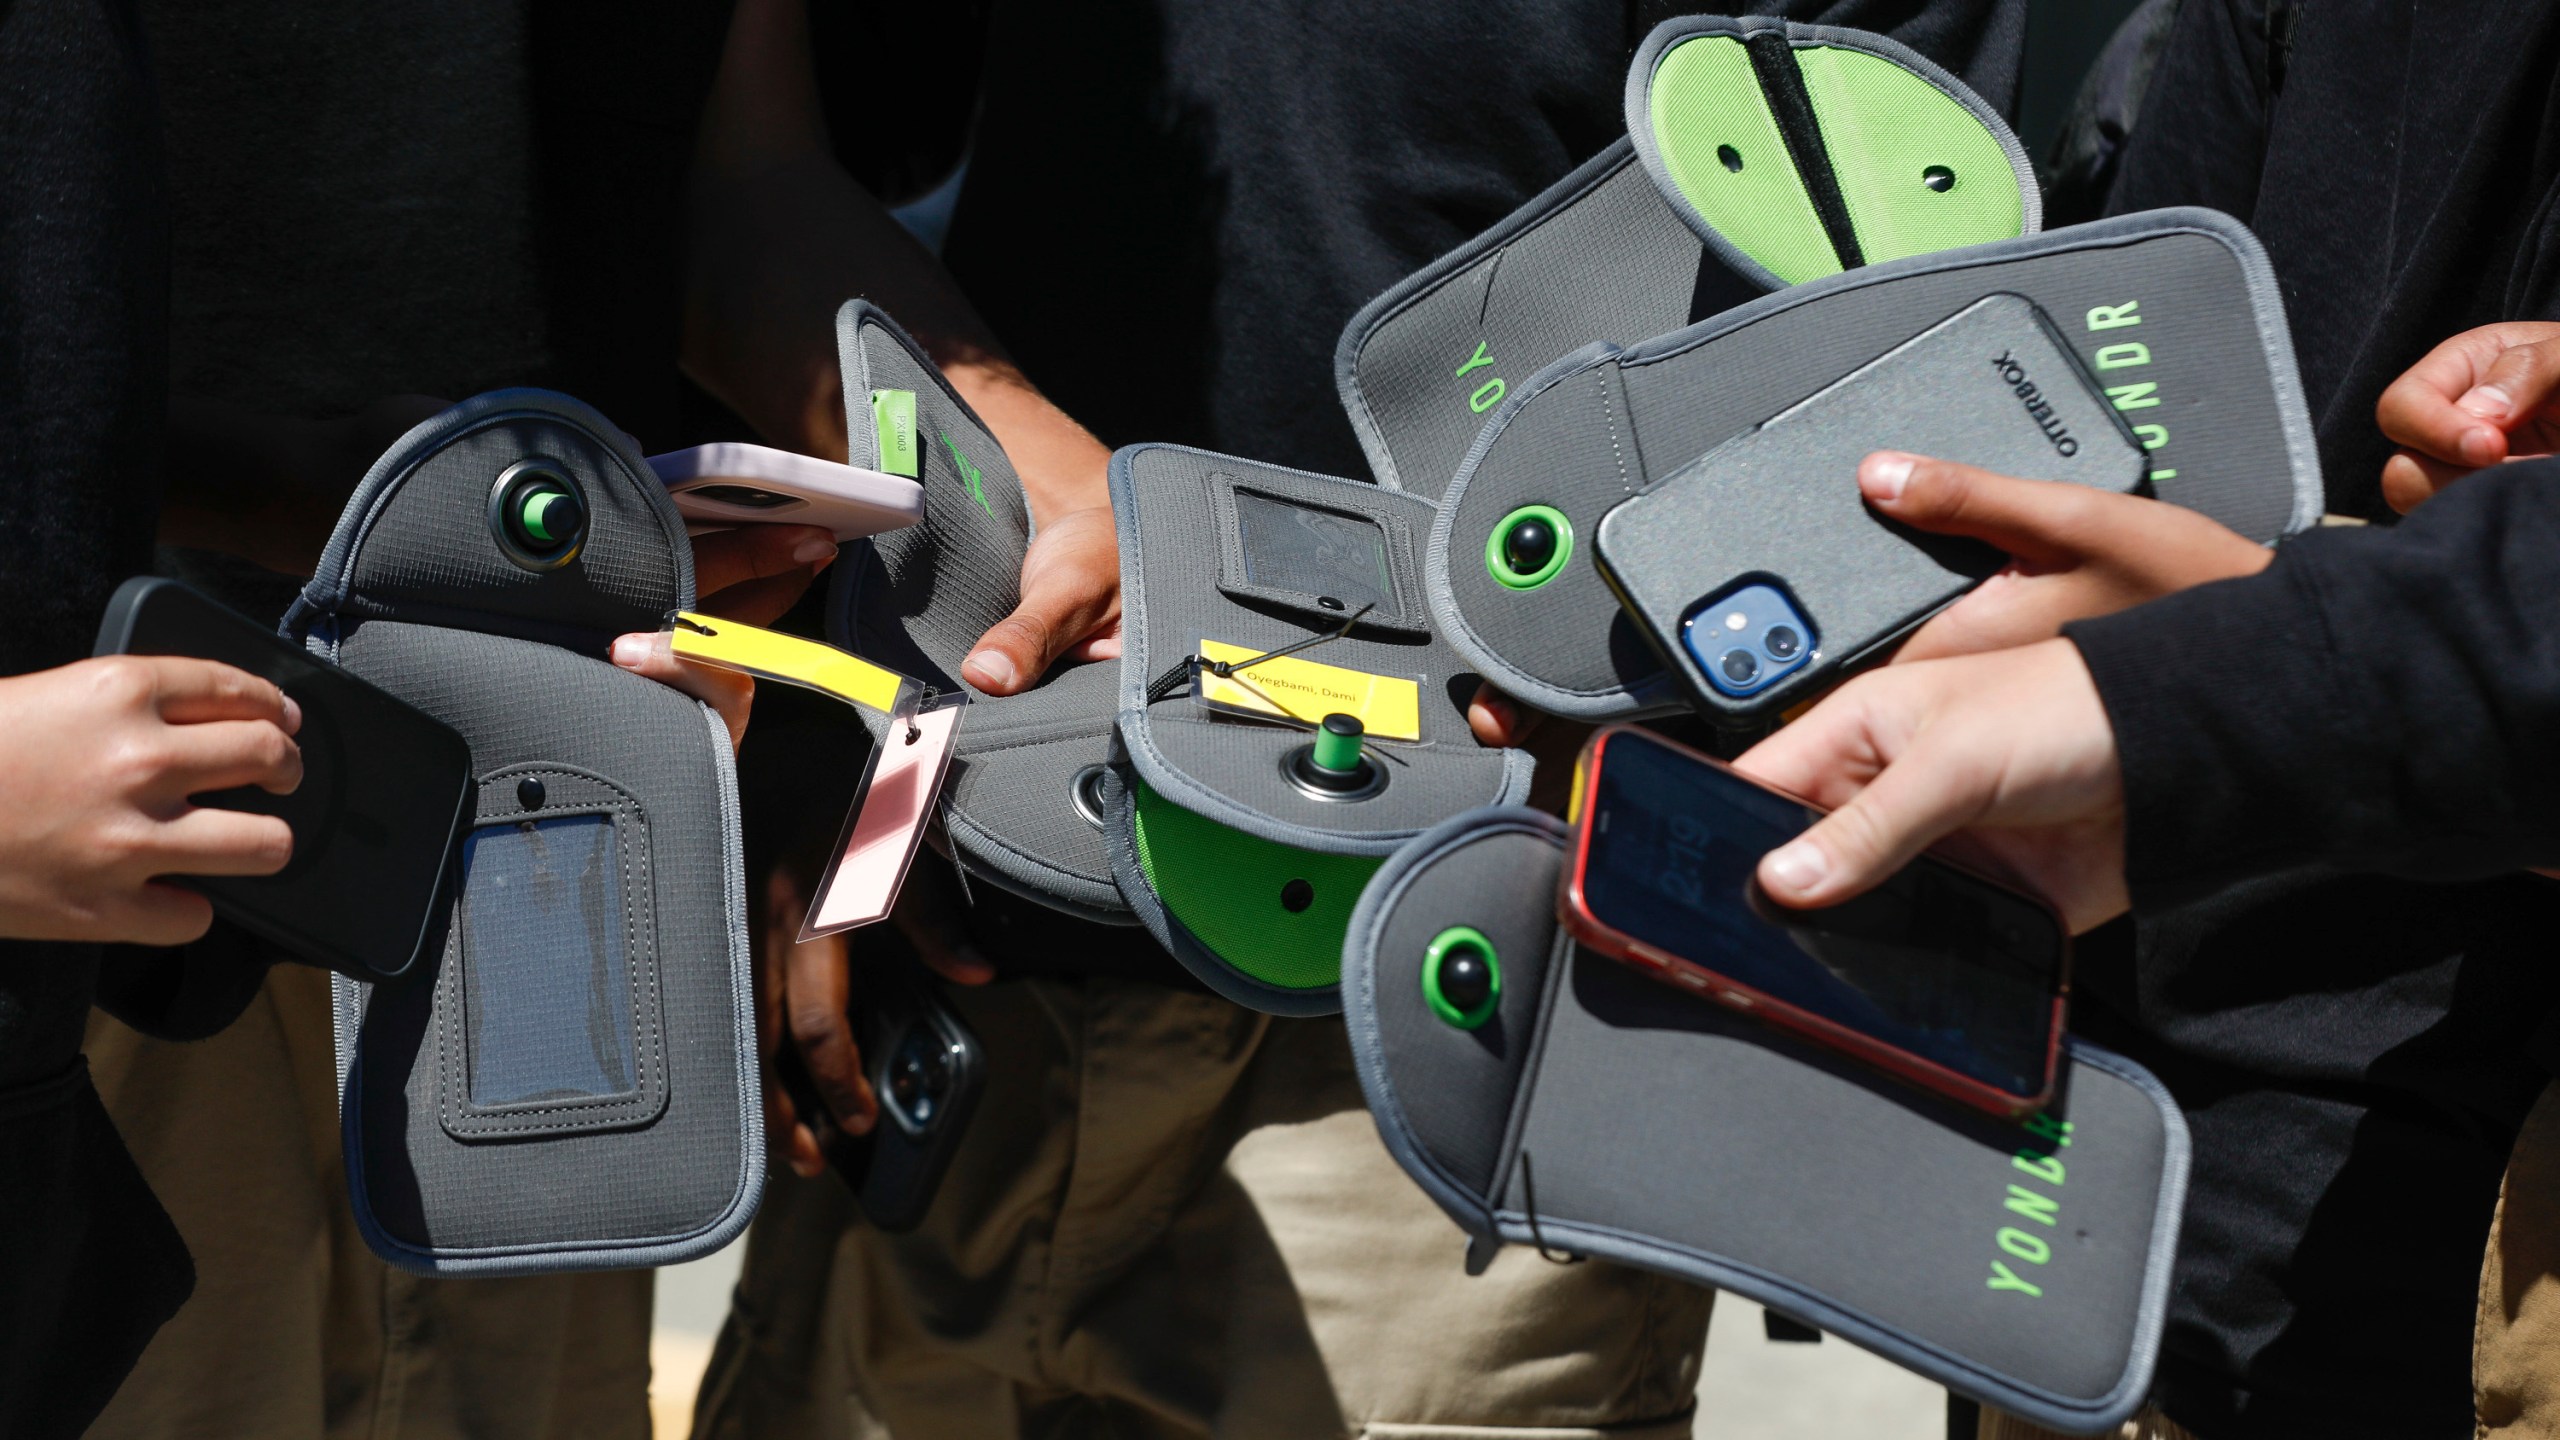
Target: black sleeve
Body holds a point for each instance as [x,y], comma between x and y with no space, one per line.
[89,1264]
[2382,700]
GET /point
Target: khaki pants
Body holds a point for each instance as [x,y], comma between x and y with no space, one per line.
[2515,1356]
[1172,1217]
[296,1332]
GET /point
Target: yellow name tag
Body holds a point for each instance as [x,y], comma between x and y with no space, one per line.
[772,655]
[1387,706]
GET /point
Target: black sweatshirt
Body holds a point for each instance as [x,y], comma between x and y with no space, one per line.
[2354,1050]
[89,1264]
[2377,700]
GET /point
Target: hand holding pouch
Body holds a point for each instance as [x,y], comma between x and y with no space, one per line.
[570,1082]
[1601,1111]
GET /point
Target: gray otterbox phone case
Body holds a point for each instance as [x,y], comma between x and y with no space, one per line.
[1778,507]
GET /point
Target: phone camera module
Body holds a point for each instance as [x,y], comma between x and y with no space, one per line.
[1748,639]
[919,1077]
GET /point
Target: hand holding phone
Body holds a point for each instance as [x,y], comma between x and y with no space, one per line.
[384,792]
[103,756]
[731,484]
[1939,976]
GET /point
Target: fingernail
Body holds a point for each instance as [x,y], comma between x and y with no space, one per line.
[2489,402]
[1883,474]
[292,716]
[1799,867]
[631,651]
[813,550]
[991,669]
[2480,445]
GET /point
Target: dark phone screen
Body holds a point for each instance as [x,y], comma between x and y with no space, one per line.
[1933,961]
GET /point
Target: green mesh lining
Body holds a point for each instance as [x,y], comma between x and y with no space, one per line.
[1883,128]
[1224,886]
[1705,96]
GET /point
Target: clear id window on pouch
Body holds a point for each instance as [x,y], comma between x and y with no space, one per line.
[547,963]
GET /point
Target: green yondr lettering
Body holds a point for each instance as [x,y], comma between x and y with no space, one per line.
[970,477]
[2042,1209]
[2004,1278]
[2044,1167]
[2042,1125]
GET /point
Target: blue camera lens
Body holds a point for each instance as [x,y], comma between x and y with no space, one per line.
[1748,639]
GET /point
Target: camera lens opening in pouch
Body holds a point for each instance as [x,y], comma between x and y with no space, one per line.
[546,962]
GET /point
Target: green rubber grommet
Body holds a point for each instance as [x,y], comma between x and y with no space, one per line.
[1529,547]
[1462,977]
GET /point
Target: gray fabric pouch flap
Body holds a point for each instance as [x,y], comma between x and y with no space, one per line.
[1619,250]
[1218,549]
[1604,1113]
[571,1084]
[917,599]
[2175,313]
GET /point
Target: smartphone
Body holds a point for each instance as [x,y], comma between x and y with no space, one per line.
[927,1070]
[722,486]
[386,792]
[1759,573]
[1939,976]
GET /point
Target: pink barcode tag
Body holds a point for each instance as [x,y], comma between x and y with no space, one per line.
[880,839]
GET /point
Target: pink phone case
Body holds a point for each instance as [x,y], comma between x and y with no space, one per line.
[880,842]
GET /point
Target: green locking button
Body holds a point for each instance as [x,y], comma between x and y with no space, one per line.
[1529,547]
[537,515]
[1462,977]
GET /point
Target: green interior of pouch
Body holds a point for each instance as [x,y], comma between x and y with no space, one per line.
[1800,151]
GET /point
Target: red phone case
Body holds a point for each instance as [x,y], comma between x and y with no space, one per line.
[1588,929]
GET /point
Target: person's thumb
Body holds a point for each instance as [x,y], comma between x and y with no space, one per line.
[2034,520]
[1070,593]
[1910,806]
[1015,651]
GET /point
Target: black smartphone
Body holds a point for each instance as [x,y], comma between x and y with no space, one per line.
[386,792]
[1759,573]
[1940,976]
[927,1070]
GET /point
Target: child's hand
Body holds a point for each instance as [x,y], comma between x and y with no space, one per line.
[653,657]
[94,788]
[2481,398]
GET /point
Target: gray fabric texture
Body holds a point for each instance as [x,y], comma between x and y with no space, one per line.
[2212,368]
[1671,32]
[1165,501]
[1745,509]
[1598,256]
[623,1126]
[1663,1131]
[917,599]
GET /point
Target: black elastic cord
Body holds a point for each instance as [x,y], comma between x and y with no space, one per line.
[1529,1201]
[1178,675]
[1773,61]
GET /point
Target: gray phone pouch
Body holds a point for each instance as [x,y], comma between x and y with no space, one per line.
[1991,385]
[2174,312]
[1597,1111]
[1237,856]
[1023,788]
[1759,153]
[570,1083]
